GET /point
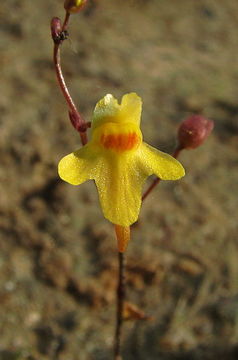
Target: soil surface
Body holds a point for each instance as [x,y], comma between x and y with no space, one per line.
[58,259]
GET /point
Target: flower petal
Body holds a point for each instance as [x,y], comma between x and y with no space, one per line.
[106,110]
[119,182]
[131,106]
[77,167]
[159,163]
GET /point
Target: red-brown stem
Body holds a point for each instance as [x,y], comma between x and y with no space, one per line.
[66,21]
[63,86]
[157,180]
[120,305]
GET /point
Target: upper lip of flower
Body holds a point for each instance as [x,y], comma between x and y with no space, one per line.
[118,160]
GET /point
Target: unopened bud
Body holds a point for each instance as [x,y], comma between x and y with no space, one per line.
[55,29]
[74,6]
[193,131]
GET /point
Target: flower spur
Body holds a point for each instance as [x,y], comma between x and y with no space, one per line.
[118,160]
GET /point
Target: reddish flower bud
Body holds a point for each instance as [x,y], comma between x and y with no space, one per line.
[193,131]
[56,29]
[74,6]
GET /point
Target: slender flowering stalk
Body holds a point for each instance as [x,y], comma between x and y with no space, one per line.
[59,34]
[121,290]
[123,238]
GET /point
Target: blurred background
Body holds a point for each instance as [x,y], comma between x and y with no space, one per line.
[58,260]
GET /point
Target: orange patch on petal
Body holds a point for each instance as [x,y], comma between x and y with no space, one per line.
[120,142]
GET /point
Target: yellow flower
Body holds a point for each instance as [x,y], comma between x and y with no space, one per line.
[74,6]
[118,160]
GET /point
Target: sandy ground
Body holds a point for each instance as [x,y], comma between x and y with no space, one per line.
[58,261]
